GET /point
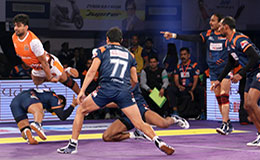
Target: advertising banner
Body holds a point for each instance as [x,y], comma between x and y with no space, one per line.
[98,15]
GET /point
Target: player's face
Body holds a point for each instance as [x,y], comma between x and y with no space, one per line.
[221,28]
[130,10]
[134,40]
[153,63]
[185,56]
[20,29]
[213,22]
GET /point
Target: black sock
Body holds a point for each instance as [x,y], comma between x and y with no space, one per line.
[25,128]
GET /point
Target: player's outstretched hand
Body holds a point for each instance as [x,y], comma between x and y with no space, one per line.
[168,35]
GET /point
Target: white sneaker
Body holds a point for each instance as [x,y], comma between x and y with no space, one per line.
[255,143]
[140,135]
[164,147]
[27,135]
[181,121]
[38,129]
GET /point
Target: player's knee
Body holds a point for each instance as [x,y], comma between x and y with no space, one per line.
[224,99]
[248,104]
[218,97]
[69,82]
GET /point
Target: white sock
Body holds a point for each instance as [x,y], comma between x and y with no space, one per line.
[131,135]
[74,141]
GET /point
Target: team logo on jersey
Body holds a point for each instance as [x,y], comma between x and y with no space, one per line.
[94,52]
[26,47]
[94,93]
[258,75]
[244,43]
[211,38]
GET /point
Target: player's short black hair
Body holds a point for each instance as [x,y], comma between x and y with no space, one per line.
[130,2]
[21,18]
[220,16]
[230,21]
[64,101]
[185,49]
[153,57]
[114,34]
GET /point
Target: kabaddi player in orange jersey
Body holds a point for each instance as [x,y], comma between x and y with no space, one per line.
[45,67]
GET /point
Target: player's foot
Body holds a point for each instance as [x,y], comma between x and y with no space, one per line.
[255,142]
[38,129]
[71,148]
[140,135]
[27,135]
[230,127]
[181,121]
[164,147]
[223,129]
[72,72]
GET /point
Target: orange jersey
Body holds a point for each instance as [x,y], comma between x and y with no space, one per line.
[29,49]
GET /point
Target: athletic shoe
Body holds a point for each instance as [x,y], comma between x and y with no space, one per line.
[72,71]
[140,135]
[223,130]
[181,121]
[27,135]
[38,129]
[230,127]
[255,143]
[164,147]
[71,148]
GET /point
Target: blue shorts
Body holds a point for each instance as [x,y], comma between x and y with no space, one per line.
[103,96]
[253,81]
[20,105]
[142,106]
[214,74]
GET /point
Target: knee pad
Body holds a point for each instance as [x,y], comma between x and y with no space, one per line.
[225,99]
[219,100]
[69,82]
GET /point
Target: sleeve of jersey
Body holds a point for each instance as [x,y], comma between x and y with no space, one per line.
[176,70]
[203,36]
[96,53]
[37,47]
[196,70]
[242,44]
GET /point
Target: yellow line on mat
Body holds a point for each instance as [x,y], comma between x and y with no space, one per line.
[52,138]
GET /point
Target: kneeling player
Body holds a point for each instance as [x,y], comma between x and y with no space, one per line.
[117,130]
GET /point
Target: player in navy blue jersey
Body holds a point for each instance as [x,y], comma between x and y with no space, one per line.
[216,60]
[117,131]
[116,67]
[34,101]
[241,50]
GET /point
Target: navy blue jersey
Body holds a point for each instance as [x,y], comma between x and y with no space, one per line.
[116,62]
[186,73]
[47,98]
[237,47]
[216,52]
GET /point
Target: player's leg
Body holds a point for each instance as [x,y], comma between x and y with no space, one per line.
[153,118]
[72,72]
[38,80]
[116,132]
[58,70]
[37,110]
[224,93]
[87,106]
[20,116]
[69,82]
[132,112]
[25,129]
[251,106]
